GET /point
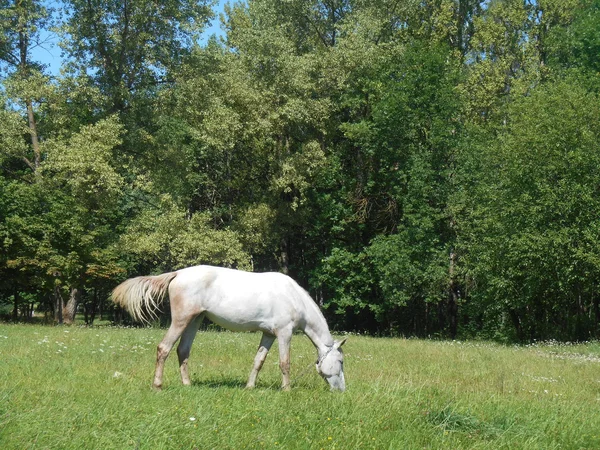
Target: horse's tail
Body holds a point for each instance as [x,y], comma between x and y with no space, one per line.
[142,296]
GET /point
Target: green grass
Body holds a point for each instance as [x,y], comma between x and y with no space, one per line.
[75,387]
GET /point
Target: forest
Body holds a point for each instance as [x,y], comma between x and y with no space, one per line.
[422,168]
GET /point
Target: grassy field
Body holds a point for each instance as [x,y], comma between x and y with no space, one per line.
[89,388]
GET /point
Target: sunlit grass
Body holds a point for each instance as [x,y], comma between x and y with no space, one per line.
[90,388]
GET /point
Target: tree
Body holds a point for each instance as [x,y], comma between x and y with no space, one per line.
[406,144]
[164,239]
[574,46]
[130,47]
[60,227]
[530,235]
[20,24]
[129,51]
[399,159]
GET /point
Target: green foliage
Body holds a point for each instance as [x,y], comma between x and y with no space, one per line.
[83,163]
[405,150]
[130,44]
[11,135]
[532,234]
[348,275]
[423,168]
[574,47]
[166,239]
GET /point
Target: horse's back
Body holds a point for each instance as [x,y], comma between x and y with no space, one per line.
[238,300]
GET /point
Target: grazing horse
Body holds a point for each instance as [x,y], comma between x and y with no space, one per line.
[240,301]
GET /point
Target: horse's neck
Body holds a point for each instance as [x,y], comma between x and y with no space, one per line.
[317,330]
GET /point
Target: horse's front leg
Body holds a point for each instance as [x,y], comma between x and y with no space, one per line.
[285,339]
[265,345]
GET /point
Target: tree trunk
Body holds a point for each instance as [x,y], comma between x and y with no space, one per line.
[35,142]
[58,302]
[453,297]
[516,320]
[71,307]
[15,312]
[100,307]
[426,324]
[90,308]
[24,71]
[284,255]
[596,307]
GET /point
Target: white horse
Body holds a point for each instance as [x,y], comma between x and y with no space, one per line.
[240,301]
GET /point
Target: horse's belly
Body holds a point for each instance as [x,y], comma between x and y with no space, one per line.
[238,324]
[247,315]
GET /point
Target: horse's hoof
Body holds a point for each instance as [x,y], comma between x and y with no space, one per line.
[157,388]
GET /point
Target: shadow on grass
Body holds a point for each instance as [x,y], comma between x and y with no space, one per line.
[233,383]
[221,382]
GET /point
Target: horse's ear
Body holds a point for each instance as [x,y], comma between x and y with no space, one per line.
[340,343]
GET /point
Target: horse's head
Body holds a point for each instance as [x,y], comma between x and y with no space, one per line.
[331,367]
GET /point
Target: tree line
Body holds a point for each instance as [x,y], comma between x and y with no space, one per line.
[426,168]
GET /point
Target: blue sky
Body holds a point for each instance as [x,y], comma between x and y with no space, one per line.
[49,53]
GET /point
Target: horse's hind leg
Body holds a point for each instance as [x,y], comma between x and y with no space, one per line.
[185,346]
[177,327]
[265,345]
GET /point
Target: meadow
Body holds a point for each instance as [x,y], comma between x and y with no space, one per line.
[77,387]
